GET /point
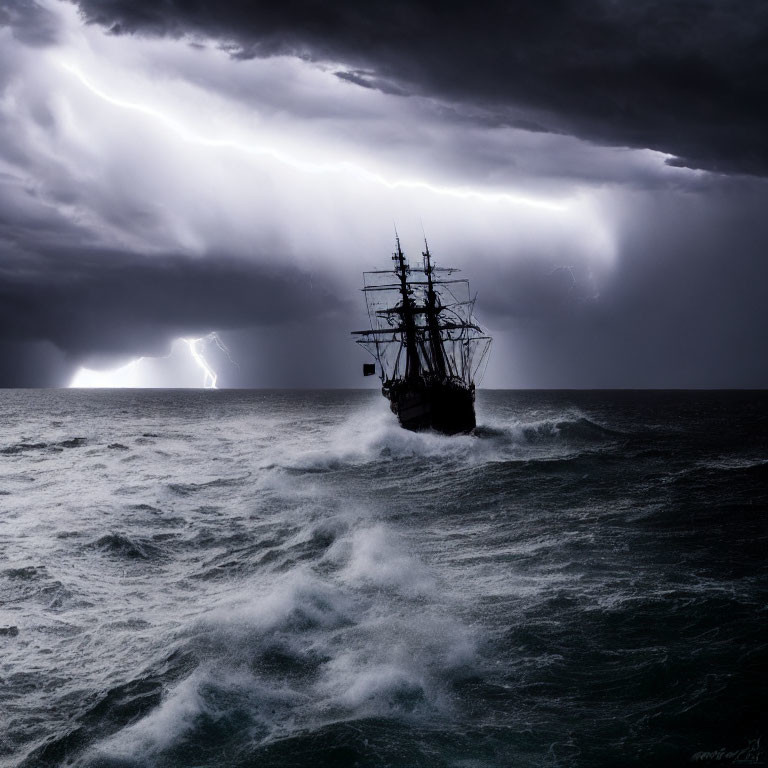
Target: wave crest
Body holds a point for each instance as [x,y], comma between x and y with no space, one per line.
[374,436]
[320,645]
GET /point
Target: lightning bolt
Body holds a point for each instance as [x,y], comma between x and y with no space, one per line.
[183,131]
[209,375]
[222,346]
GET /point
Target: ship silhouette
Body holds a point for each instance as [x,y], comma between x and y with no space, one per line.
[427,344]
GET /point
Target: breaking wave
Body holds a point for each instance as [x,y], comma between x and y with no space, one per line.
[316,647]
[123,546]
[376,437]
[233,579]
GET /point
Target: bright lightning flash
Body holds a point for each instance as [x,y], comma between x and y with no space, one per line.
[288,159]
[209,375]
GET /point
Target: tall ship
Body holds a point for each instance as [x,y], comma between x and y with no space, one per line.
[425,340]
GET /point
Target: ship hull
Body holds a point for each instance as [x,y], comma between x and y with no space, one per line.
[443,406]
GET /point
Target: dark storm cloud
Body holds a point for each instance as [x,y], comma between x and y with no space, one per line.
[368,79]
[684,306]
[65,298]
[114,304]
[686,78]
[31,23]
[124,225]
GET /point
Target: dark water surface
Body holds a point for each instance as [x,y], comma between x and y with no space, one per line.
[226,578]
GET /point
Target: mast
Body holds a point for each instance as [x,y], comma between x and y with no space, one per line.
[432,336]
[432,311]
[412,364]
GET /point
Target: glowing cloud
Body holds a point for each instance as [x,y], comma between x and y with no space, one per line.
[126,376]
[180,368]
[293,161]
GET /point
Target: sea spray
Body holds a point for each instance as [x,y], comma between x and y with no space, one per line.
[290,578]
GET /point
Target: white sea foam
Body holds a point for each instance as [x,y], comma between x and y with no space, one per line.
[167,724]
[296,602]
[210,694]
[373,435]
[308,648]
[296,572]
[377,558]
[376,689]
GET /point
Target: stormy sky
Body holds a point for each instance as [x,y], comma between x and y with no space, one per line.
[596,167]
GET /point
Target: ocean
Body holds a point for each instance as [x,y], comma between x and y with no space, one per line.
[287,578]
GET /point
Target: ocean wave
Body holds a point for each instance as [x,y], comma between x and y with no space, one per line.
[373,557]
[74,442]
[121,545]
[374,437]
[24,446]
[106,713]
[736,465]
[745,473]
[16,448]
[317,645]
[26,572]
[185,489]
[329,589]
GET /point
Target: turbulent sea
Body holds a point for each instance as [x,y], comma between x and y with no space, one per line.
[255,578]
